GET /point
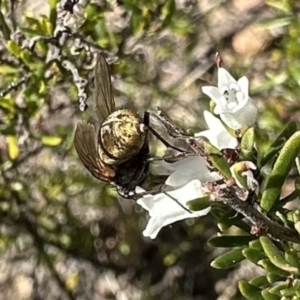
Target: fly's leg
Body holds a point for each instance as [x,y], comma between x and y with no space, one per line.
[157,135]
[173,158]
[172,129]
[196,144]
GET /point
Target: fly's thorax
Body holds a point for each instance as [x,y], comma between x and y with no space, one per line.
[122,135]
[111,162]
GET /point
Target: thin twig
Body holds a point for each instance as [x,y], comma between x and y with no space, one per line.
[14,85]
[275,230]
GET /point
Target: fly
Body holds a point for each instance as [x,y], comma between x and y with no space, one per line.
[116,151]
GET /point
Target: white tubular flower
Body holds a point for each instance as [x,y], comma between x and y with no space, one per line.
[165,210]
[187,170]
[232,100]
[217,134]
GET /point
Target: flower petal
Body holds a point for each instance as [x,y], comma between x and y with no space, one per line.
[162,167]
[224,78]
[188,169]
[243,82]
[165,210]
[244,117]
[231,121]
[232,100]
[214,94]
[217,134]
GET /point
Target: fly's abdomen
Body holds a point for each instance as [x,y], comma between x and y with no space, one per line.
[122,135]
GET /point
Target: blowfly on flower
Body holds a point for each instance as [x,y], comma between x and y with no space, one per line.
[116,151]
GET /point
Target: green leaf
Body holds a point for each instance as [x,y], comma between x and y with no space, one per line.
[256,245]
[14,48]
[297,186]
[297,226]
[298,169]
[215,157]
[280,5]
[276,289]
[51,140]
[228,259]
[238,169]
[259,281]
[8,104]
[231,241]
[42,87]
[268,266]
[232,218]
[250,291]
[280,171]
[8,69]
[33,22]
[52,3]
[292,258]
[53,12]
[291,290]
[4,27]
[199,204]
[218,212]
[269,296]
[26,58]
[253,255]
[247,143]
[287,132]
[283,216]
[275,256]
[46,26]
[274,277]
[137,22]
[292,196]
[167,11]
[13,148]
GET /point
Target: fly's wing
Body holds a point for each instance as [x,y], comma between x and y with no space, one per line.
[103,93]
[86,146]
